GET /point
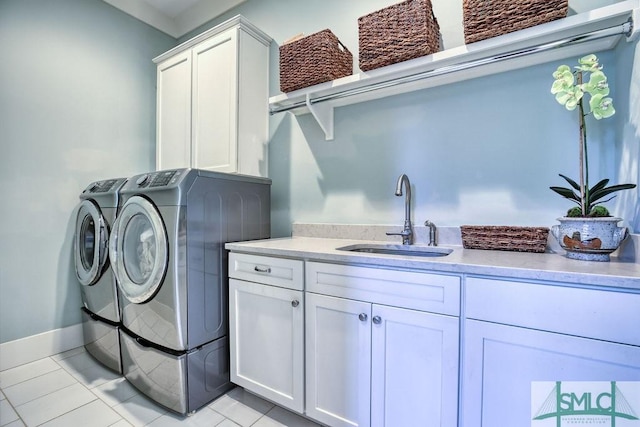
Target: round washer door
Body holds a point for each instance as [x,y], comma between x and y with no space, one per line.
[90,243]
[138,250]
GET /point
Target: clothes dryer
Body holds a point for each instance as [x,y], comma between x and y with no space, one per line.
[100,312]
[167,250]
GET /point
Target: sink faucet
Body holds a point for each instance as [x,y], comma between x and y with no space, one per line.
[407,232]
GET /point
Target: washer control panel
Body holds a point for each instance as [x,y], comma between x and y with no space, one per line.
[158,179]
[102,186]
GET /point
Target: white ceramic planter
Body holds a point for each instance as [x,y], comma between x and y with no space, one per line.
[589,239]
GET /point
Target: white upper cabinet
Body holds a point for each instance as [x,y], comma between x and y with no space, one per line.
[174,112]
[212,101]
[214,98]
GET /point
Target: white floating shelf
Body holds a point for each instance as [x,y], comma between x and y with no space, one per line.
[594,31]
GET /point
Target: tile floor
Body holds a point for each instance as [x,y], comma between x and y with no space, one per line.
[72,389]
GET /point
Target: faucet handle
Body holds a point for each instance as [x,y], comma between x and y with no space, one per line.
[406,234]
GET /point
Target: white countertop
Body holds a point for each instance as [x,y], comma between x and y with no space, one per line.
[516,265]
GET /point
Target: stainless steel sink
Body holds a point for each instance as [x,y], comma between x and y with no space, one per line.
[391,249]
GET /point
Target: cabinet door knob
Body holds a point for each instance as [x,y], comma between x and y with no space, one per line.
[260,269]
[362,317]
[377,320]
[295,303]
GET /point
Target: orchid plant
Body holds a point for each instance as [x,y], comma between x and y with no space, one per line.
[570,91]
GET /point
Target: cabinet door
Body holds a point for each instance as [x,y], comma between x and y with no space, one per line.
[266,341]
[414,368]
[173,120]
[215,103]
[501,362]
[338,360]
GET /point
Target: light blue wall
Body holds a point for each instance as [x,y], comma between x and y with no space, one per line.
[483,151]
[77,104]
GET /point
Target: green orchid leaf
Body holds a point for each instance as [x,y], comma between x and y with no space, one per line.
[566,193]
[599,194]
[593,190]
[600,185]
[571,182]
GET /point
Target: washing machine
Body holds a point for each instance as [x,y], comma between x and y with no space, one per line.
[100,312]
[167,251]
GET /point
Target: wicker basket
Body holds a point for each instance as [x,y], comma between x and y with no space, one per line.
[489,18]
[397,33]
[505,238]
[314,59]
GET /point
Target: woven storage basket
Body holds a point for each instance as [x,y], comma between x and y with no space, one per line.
[397,33]
[314,59]
[504,238]
[489,18]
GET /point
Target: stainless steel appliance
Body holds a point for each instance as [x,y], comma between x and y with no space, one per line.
[100,312]
[167,250]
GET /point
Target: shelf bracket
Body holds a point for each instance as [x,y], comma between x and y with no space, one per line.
[323,113]
[634,32]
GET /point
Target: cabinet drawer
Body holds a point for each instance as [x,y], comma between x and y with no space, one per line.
[438,293]
[286,273]
[591,313]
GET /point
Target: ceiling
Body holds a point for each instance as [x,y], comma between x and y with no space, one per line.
[175,17]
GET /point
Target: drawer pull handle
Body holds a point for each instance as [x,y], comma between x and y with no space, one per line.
[262,269]
[362,317]
[377,320]
[295,303]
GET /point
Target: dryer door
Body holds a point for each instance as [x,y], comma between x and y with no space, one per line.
[138,249]
[90,243]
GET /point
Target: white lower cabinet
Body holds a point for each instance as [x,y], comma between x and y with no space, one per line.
[266,329]
[529,346]
[339,352]
[356,346]
[503,363]
[369,364]
[338,360]
[414,368]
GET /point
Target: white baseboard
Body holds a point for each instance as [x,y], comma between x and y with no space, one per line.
[25,350]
